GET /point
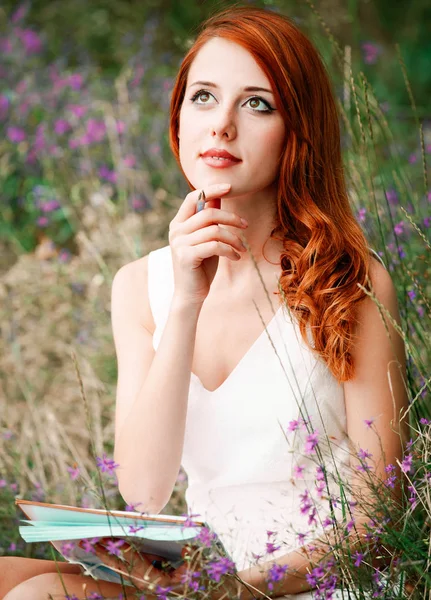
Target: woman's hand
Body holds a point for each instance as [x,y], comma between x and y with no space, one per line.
[197,241]
[138,569]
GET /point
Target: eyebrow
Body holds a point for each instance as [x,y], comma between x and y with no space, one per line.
[246,89]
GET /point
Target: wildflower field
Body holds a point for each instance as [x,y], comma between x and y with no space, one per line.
[88,183]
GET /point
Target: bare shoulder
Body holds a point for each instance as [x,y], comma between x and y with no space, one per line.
[383,288]
[130,292]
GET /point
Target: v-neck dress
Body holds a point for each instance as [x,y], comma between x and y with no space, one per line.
[251,472]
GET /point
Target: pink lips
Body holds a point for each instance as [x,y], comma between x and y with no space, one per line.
[219,158]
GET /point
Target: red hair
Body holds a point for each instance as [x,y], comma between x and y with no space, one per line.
[325,251]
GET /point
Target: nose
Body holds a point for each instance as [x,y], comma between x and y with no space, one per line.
[223,125]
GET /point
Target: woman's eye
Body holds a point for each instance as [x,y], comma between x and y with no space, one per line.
[200,95]
[254,103]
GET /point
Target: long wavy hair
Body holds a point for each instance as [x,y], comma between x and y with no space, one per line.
[325,251]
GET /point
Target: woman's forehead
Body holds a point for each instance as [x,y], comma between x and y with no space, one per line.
[220,61]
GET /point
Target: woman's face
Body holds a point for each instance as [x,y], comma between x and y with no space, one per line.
[218,111]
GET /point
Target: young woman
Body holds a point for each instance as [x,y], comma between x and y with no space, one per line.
[201,383]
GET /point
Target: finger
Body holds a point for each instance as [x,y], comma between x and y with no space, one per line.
[188,207]
[136,572]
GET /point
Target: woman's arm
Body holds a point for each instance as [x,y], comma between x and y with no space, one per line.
[152,390]
[376,392]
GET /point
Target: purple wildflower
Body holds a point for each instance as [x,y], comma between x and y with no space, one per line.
[399,228]
[19,14]
[424,421]
[427,222]
[362,212]
[391,196]
[219,567]
[413,159]
[358,556]
[78,110]
[106,173]
[113,547]
[74,472]
[311,442]
[298,471]
[369,422]
[276,573]
[16,134]
[364,454]
[67,548]
[75,81]
[129,161]
[31,41]
[206,536]
[42,221]
[62,126]
[271,547]
[411,294]
[370,52]
[107,465]
[406,465]
[88,545]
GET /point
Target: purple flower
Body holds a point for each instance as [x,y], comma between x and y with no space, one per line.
[271,547]
[12,547]
[311,442]
[106,173]
[427,221]
[74,472]
[31,41]
[390,468]
[276,573]
[219,567]
[369,422]
[399,228]
[411,294]
[49,206]
[77,109]
[312,516]
[107,465]
[67,548]
[424,421]
[62,126]
[206,537]
[413,158]
[364,454]
[114,547]
[406,465]
[358,556]
[129,161]
[75,81]
[391,196]
[362,212]
[95,131]
[19,14]
[298,471]
[370,52]
[88,545]
[16,134]
[42,221]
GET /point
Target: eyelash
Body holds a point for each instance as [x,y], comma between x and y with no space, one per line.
[269,108]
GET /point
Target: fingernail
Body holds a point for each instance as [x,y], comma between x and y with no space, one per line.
[224,186]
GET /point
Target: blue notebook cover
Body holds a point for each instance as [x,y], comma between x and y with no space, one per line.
[164,535]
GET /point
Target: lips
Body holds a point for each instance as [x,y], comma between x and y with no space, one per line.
[217,154]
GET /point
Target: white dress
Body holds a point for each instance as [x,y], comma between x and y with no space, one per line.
[239,454]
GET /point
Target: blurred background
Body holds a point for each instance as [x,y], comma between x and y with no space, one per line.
[88,183]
